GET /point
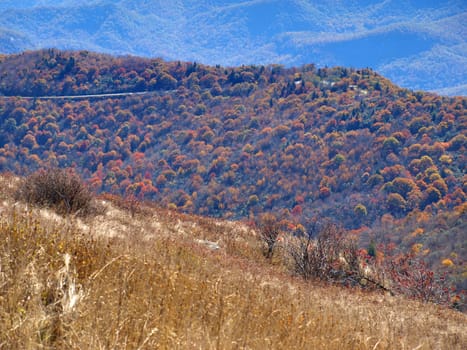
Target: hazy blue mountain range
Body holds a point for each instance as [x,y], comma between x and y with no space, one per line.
[417,44]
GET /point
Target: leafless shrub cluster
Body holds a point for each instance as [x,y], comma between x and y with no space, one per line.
[56,188]
[409,275]
[332,255]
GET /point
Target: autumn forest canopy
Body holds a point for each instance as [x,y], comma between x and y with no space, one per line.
[233,142]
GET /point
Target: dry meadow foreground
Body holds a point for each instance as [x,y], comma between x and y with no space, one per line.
[147,278]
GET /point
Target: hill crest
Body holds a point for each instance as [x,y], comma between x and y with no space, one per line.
[418,44]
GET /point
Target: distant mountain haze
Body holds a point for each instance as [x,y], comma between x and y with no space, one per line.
[416,44]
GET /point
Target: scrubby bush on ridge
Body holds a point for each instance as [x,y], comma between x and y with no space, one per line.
[329,253]
[60,189]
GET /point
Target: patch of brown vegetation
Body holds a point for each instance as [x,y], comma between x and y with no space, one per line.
[72,284]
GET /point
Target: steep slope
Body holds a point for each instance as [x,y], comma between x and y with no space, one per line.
[144,281]
[406,41]
[235,142]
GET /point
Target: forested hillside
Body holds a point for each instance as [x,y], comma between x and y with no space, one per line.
[418,44]
[234,142]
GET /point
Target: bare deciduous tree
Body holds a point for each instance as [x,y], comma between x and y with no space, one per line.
[269,230]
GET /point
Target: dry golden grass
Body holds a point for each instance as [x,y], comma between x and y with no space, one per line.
[149,282]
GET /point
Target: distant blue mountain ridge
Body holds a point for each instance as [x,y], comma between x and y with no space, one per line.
[420,45]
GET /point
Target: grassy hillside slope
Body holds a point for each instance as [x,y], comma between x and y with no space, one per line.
[144,279]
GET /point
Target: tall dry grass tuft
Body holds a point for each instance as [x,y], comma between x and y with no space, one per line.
[152,286]
[38,291]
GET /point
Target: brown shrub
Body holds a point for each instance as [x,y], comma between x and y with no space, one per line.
[269,230]
[60,189]
[331,256]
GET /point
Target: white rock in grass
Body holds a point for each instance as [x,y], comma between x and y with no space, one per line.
[209,244]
